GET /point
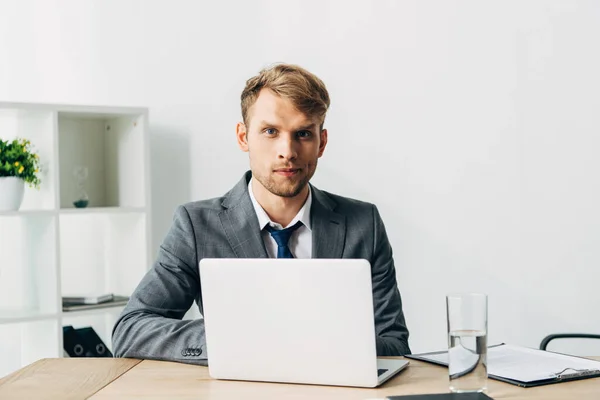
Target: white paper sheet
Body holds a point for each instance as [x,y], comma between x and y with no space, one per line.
[528,365]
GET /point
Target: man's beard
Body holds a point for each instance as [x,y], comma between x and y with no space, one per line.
[291,188]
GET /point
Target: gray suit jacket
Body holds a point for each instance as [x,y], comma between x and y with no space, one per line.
[150,326]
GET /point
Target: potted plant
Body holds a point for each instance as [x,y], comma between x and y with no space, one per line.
[19,164]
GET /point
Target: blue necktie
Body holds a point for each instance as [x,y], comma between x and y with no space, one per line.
[282,237]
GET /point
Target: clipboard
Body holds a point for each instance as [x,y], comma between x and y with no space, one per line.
[526,367]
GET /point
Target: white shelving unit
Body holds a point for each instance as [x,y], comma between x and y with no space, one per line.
[49,248]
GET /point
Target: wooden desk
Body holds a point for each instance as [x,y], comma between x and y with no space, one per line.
[127,379]
[63,378]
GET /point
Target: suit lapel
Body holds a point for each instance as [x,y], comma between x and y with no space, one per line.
[328,227]
[240,222]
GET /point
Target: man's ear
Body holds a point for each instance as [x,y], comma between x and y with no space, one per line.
[323,142]
[242,136]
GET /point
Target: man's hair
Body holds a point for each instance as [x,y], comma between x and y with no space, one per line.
[305,90]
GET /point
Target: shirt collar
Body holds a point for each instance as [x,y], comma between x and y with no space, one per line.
[263,219]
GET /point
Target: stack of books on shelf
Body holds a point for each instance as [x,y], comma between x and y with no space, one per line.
[89,302]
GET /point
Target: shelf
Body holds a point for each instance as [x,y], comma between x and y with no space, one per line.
[28,275]
[75,111]
[37,127]
[103,210]
[94,311]
[13,317]
[28,213]
[102,253]
[49,248]
[118,301]
[74,211]
[111,149]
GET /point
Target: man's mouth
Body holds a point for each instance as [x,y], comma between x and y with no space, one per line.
[287,171]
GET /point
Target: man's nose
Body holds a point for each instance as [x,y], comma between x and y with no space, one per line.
[286,147]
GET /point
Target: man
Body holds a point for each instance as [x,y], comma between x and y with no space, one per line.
[283,110]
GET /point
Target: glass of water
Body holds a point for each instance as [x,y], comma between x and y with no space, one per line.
[467,341]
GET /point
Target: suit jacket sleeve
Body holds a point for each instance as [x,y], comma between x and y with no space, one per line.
[150,326]
[390,326]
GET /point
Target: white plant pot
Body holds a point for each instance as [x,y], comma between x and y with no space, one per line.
[11,193]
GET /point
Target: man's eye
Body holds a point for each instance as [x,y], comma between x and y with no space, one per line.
[270,131]
[304,134]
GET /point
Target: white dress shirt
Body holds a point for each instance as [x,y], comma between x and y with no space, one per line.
[300,243]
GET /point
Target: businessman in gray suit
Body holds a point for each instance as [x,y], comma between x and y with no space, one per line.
[273,211]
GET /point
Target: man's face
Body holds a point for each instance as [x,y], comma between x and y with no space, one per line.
[283,144]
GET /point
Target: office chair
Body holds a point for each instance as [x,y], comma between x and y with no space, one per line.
[547,339]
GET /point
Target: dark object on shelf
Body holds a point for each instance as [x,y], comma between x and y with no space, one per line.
[115,302]
[93,343]
[72,343]
[81,203]
[83,342]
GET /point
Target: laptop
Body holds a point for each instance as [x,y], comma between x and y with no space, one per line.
[292,320]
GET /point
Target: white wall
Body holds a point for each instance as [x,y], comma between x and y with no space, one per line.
[474,126]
